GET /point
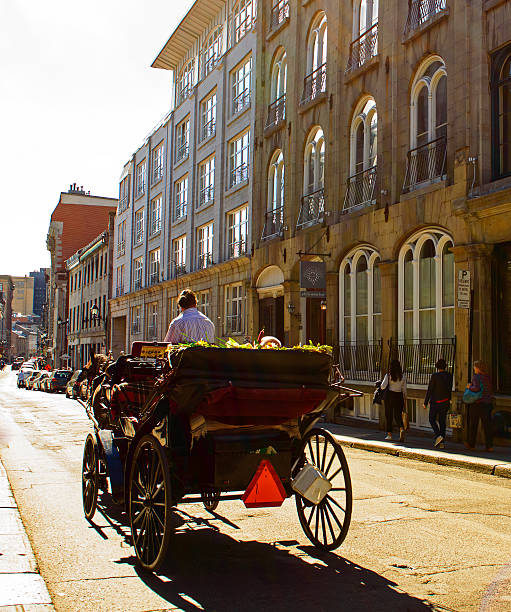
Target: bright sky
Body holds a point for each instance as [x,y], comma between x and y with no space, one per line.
[77,97]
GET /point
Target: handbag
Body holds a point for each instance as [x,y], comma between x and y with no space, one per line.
[378,395]
[470,397]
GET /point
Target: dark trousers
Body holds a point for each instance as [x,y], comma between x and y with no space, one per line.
[475,412]
[394,405]
[438,417]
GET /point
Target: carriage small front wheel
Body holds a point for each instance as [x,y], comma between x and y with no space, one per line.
[150,503]
[90,477]
[325,524]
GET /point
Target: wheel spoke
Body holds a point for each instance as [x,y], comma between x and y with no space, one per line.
[316,527]
[311,452]
[325,539]
[334,515]
[316,463]
[334,455]
[338,489]
[331,499]
[327,511]
[324,455]
[330,478]
[140,515]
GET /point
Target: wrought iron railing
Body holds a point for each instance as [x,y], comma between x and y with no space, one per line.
[238,175]
[279,13]
[157,173]
[420,11]
[204,260]
[178,270]
[206,194]
[140,188]
[425,163]
[137,284]
[360,189]
[363,48]
[151,332]
[359,361]
[241,101]
[418,357]
[124,202]
[314,84]
[312,209]
[153,278]
[237,248]
[135,327]
[273,223]
[182,151]
[119,291]
[208,129]
[185,92]
[276,111]
[179,210]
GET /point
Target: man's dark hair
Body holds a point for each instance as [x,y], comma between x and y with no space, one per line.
[187,299]
[441,364]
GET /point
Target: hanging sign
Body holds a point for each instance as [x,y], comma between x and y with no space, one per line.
[463,294]
[313,275]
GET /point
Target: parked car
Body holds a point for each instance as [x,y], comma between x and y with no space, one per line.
[16,364]
[29,382]
[24,372]
[37,385]
[72,386]
[58,380]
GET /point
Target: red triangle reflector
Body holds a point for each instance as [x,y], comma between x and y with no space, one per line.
[265,488]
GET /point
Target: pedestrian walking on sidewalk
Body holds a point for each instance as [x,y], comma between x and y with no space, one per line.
[481,408]
[394,385]
[438,396]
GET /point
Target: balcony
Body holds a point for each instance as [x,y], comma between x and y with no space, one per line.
[119,291]
[124,202]
[157,173]
[425,163]
[241,101]
[276,112]
[363,49]
[185,93]
[206,195]
[135,328]
[279,13]
[182,151]
[360,361]
[153,278]
[178,269]
[237,249]
[137,284]
[179,210]
[140,188]
[238,175]
[312,209]
[314,84]
[418,357]
[360,190]
[422,11]
[208,129]
[273,223]
[204,260]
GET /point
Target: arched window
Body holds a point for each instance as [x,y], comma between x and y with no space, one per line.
[185,82]
[315,80]
[426,287]
[314,162]
[501,113]
[276,181]
[365,16]
[360,297]
[212,50]
[428,123]
[279,76]
[365,33]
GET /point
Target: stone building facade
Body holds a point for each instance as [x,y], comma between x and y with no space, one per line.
[23,295]
[383,151]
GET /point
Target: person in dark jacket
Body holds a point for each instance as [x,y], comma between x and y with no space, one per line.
[438,396]
[481,409]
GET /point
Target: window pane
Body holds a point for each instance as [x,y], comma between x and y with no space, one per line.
[408,281]
[447,277]
[427,325]
[427,277]
[361,284]
[362,329]
[377,327]
[347,291]
[441,103]
[422,117]
[408,325]
[359,155]
[448,323]
[376,290]
[347,329]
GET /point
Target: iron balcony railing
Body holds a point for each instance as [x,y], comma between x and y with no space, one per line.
[121,248]
[155,227]
[363,48]
[135,328]
[273,223]
[211,62]
[208,129]
[119,291]
[157,173]
[182,151]
[238,175]
[151,332]
[124,203]
[360,189]
[153,278]
[420,11]
[179,210]
[425,163]
[233,324]
[137,284]
[276,111]
[314,84]
[237,249]
[312,209]
[204,260]
[178,270]
[418,357]
[241,101]
[207,194]
[360,361]
[140,188]
[185,92]
[279,13]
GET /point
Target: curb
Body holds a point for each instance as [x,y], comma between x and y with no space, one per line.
[22,589]
[492,467]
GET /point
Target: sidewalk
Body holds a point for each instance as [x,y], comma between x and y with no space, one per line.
[420,448]
[21,587]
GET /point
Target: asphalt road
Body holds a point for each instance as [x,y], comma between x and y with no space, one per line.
[423,537]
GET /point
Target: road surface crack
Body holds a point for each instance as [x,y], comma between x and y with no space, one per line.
[470,512]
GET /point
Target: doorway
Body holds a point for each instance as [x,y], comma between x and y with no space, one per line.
[271,317]
[316,321]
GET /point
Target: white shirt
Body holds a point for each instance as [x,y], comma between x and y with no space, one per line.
[394,385]
[190,326]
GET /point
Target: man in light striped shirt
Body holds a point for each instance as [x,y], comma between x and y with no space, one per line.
[191,325]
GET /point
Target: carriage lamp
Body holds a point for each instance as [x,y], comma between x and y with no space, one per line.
[94,312]
[323,305]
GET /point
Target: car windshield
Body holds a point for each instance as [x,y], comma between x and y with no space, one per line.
[61,374]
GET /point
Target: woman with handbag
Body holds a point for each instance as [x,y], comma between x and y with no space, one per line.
[479,397]
[438,396]
[394,385]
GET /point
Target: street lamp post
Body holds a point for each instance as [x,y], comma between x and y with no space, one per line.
[62,324]
[95,316]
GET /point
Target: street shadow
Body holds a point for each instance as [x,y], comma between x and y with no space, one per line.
[221,574]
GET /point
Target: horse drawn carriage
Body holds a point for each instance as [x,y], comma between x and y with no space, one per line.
[175,425]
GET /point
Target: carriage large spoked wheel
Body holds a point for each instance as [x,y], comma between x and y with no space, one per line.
[325,524]
[90,477]
[150,503]
[211,499]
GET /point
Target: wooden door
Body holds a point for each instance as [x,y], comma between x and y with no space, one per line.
[316,321]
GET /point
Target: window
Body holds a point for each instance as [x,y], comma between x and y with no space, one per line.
[501,113]
[426,287]
[314,162]
[242,22]
[428,129]
[136,326]
[315,81]
[234,322]
[155,216]
[158,162]
[154,266]
[203,302]
[185,82]
[365,33]
[212,50]
[121,238]
[208,117]
[206,182]
[363,155]
[237,228]
[141,176]
[239,150]
[124,193]
[137,273]
[152,321]
[182,140]
[180,198]
[279,12]
[139,226]
[119,281]
[277,108]
[174,308]
[204,246]
[179,254]
[360,297]
[240,86]
[276,182]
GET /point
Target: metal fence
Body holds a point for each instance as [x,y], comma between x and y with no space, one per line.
[238,175]
[425,163]
[360,361]
[276,111]
[273,223]
[279,13]
[360,189]
[312,209]
[208,129]
[420,11]
[314,84]
[363,48]
[418,357]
